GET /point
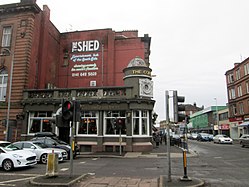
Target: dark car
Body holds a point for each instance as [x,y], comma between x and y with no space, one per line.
[244,140]
[51,140]
[203,137]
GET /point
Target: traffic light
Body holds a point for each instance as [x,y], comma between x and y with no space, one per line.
[67,111]
[178,108]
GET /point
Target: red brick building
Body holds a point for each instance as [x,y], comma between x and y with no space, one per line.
[106,71]
[237,80]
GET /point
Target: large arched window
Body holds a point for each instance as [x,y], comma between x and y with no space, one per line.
[3,84]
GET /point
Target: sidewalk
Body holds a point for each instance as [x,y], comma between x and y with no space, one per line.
[89,180]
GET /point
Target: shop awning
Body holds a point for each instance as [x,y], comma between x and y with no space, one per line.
[244,124]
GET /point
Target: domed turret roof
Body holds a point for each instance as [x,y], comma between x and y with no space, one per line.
[137,61]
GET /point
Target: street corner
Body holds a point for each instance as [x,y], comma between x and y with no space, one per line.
[180,181]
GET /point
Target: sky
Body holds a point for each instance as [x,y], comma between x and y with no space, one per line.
[193,42]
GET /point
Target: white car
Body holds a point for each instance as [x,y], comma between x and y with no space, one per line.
[222,138]
[40,149]
[10,159]
[4,143]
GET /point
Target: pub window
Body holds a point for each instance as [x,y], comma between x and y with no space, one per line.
[6,36]
[3,84]
[88,123]
[40,122]
[140,122]
[109,120]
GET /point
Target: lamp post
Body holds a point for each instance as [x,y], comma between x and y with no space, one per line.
[10,88]
[217,115]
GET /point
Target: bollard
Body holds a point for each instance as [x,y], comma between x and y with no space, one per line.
[52,165]
[185,176]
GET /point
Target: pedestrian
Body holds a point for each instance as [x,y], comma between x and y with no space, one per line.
[157,139]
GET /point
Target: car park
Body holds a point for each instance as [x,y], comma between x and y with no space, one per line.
[40,149]
[51,140]
[10,159]
[203,137]
[222,139]
[244,140]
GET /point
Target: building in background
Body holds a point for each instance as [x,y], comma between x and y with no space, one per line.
[107,72]
[206,120]
[237,80]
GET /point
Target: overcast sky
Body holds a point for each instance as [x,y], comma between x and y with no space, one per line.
[194,42]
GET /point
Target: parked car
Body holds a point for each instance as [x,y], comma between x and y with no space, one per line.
[244,140]
[4,143]
[203,137]
[10,159]
[194,136]
[211,137]
[40,149]
[222,138]
[175,140]
[51,140]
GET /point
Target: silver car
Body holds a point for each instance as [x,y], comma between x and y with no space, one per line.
[40,149]
[244,140]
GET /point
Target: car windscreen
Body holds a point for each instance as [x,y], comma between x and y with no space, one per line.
[41,145]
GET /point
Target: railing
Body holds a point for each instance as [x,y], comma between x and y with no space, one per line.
[86,93]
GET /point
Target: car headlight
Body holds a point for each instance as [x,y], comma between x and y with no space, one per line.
[17,156]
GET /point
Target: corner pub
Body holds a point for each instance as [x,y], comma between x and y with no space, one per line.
[107,72]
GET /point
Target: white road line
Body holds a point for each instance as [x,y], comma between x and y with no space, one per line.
[64,169]
[95,159]
[20,174]
[15,180]
[82,162]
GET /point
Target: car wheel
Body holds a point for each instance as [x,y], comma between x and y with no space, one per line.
[44,158]
[8,165]
[242,145]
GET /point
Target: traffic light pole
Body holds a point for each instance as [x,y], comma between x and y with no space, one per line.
[168,135]
[72,129]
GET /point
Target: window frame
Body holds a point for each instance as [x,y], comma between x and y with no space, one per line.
[6,36]
[88,117]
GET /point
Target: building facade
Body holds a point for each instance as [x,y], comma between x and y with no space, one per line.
[206,120]
[237,80]
[107,72]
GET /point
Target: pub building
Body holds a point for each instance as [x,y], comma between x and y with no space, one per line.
[106,72]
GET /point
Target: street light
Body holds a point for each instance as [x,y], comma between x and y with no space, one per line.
[217,115]
[10,88]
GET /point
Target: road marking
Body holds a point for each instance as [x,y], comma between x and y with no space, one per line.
[19,174]
[7,185]
[15,180]
[82,162]
[217,157]
[64,169]
[95,159]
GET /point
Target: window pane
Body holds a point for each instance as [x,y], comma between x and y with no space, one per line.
[136,126]
[6,37]
[35,126]
[46,126]
[144,126]
[88,123]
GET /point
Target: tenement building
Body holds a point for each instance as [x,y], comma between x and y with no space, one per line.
[107,72]
[237,80]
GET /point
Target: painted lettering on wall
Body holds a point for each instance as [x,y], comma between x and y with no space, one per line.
[85,46]
[144,72]
[85,58]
